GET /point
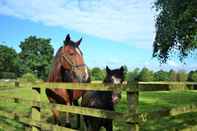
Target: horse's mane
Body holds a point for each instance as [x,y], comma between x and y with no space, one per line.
[54,75]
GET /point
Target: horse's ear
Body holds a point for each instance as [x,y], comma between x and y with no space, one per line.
[107,69]
[78,42]
[67,40]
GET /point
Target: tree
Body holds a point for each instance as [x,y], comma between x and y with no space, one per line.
[182,76]
[146,75]
[97,74]
[28,77]
[161,76]
[132,76]
[192,76]
[176,28]
[36,56]
[125,71]
[9,62]
[172,75]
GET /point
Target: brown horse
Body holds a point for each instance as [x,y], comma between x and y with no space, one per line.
[68,66]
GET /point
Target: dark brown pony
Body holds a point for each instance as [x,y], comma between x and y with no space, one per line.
[68,66]
[103,100]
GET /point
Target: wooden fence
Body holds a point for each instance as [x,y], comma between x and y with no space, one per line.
[132,116]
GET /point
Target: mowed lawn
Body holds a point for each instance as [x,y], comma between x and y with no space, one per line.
[149,101]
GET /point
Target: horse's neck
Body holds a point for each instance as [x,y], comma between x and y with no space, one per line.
[54,76]
[67,76]
[58,74]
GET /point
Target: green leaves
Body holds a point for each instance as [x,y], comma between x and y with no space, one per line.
[176,28]
[161,75]
[9,66]
[36,56]
[97,74]
[192,76]
[146,75]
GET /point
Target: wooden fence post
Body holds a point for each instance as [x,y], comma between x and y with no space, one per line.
[36,109]
[16,117]
[133,100]
[16,100]
[16,83]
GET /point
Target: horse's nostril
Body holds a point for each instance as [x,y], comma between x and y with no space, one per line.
[84,77]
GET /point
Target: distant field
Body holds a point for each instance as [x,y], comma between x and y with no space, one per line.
[148,101]
[96,81]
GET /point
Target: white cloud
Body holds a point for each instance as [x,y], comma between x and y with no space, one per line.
[171,64]
[129,21]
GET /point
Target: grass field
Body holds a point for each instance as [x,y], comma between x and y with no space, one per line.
[149,101]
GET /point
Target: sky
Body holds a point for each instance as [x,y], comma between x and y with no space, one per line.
[114,32]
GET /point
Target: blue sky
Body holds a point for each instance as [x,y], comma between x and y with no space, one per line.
[114,32]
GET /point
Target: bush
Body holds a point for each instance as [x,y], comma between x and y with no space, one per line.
[28,77]
[7,75]
[97,74]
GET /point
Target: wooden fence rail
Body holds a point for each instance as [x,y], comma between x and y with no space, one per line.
[33,123]
[142,86]
[132,117]
[142,116]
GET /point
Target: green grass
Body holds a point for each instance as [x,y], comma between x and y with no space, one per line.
[149,101]
[179,121]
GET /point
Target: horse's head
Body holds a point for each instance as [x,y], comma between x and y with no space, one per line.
[115,76]
[72,62]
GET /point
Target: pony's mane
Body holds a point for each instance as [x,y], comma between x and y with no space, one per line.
[54,73]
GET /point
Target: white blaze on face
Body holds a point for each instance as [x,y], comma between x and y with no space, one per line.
[86,69]
[78,51]
[116,80]
[87,74]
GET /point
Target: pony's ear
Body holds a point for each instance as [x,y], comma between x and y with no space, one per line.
[122,68]
[78,42]
[67,40]
[107,69]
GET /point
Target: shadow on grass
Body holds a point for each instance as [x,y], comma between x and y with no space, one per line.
[169,97]
[7,124]
[158,100]
[72,118]
[168,123]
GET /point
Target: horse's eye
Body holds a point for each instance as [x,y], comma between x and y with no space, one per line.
[71,54]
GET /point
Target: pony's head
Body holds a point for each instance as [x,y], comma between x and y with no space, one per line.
[115,76]
[73,67]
